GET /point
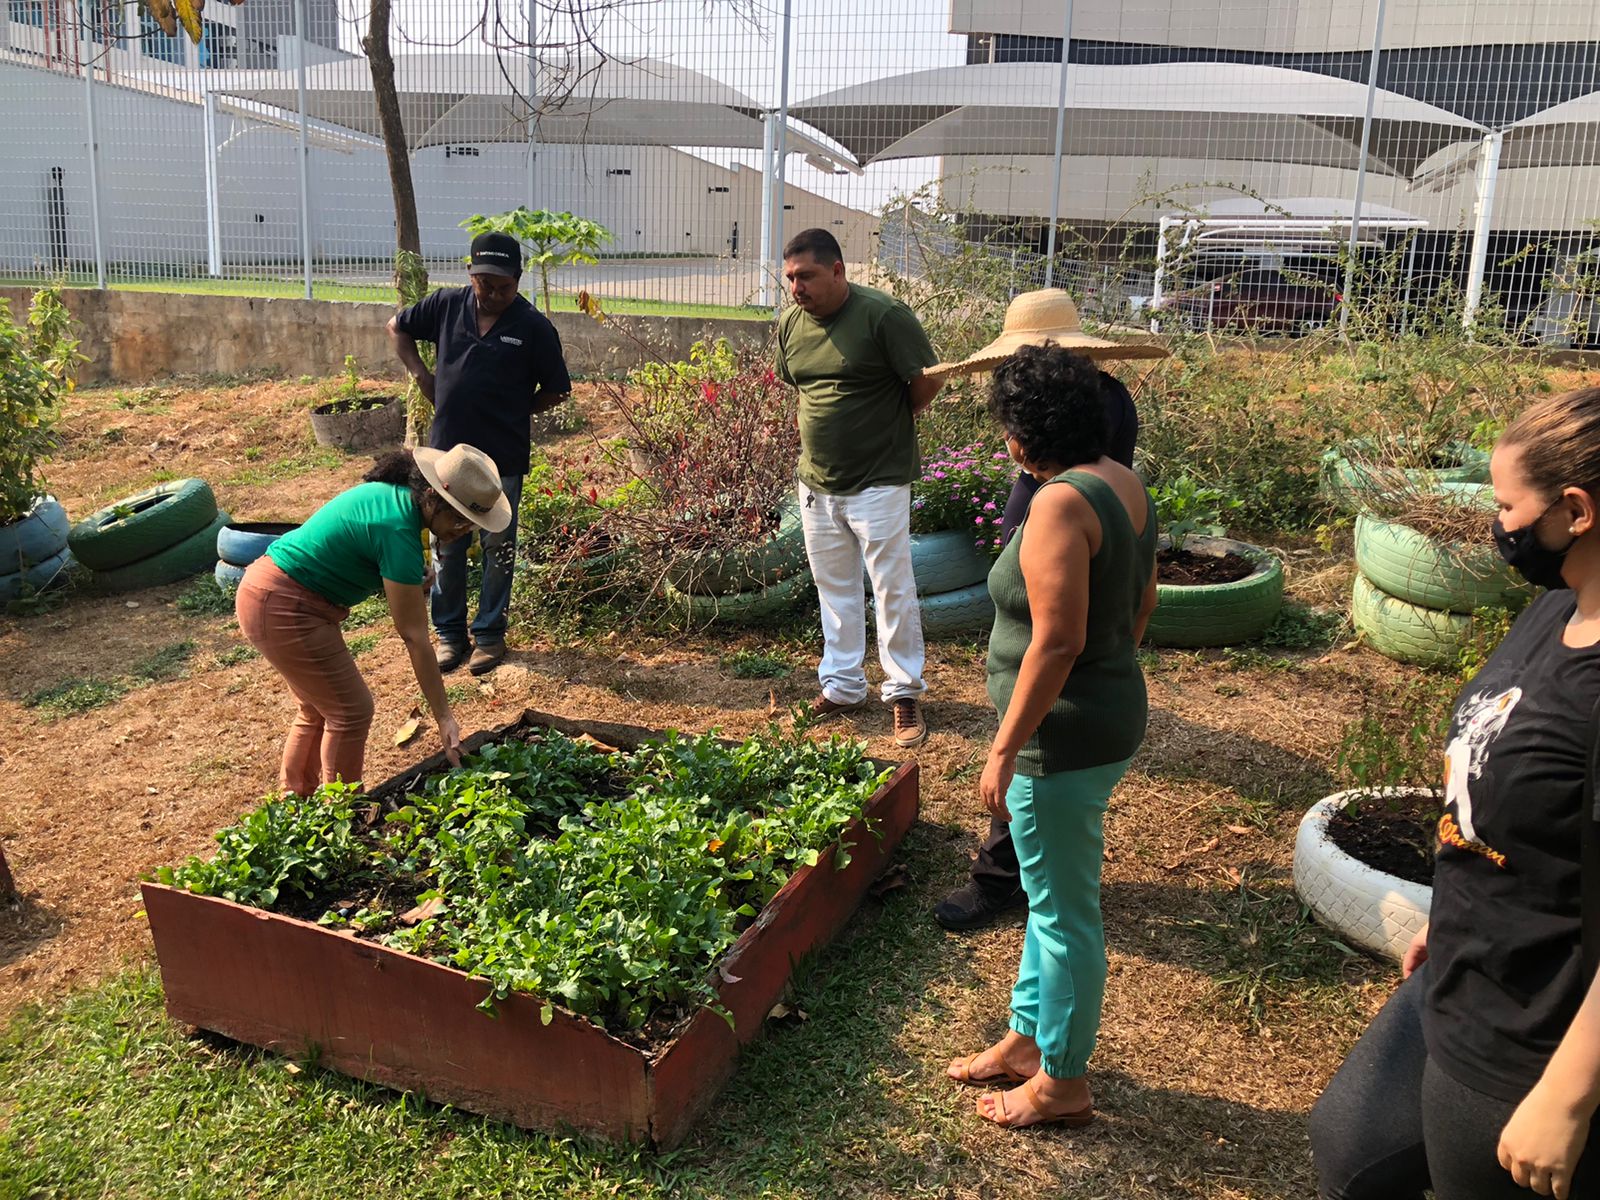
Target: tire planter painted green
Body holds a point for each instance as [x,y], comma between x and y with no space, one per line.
[1449,577]
[749,570]
[1407,632]
[35,537]
[964,610]
[161,517]
[1219,614]
[947,561]
[1346,483]
[191,556]
[53,572]
[228,576]
[744,608]
[241,543]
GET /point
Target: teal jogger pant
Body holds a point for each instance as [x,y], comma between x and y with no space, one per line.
[1057,824]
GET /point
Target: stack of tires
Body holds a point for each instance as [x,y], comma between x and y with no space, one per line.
[161,535]
[746,587]
[240,543]
[33,550]
[1352,483]
[1415,596]
[952,583]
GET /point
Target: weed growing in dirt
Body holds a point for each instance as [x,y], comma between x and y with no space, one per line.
[370,610]
[205,597]
[306,458]
[77,695]
[146,400]
[169,662]
[234,656]
[363,642]
[1301,627]
[757,664]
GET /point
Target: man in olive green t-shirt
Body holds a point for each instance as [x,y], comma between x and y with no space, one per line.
[857,356]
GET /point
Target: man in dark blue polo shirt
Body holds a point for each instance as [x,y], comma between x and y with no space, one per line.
[499,362]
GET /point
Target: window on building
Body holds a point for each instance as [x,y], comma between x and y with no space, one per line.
[27,12]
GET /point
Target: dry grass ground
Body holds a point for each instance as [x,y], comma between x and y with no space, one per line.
[1226,1010]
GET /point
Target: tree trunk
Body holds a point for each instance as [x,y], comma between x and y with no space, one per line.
[408,235]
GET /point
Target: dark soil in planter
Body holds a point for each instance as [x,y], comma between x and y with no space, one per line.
[346,407]
[1395,835]
[1184,568]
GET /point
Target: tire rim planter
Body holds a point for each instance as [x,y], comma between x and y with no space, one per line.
[1449,577]
[1218,614]
[379,427]
[730,573]
[407,1022]
[1372,909]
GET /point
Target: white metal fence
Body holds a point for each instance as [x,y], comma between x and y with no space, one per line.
[1241,164]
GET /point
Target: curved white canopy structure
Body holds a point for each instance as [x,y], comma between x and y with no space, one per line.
[1221,111]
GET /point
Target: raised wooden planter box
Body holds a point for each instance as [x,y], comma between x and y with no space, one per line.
[392,1018]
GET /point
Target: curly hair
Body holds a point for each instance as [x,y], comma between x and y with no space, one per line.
[400,469]
[1050,401]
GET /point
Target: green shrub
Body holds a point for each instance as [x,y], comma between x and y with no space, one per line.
[38,366]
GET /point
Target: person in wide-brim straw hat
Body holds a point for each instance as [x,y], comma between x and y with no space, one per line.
[1034,319]
[294,598]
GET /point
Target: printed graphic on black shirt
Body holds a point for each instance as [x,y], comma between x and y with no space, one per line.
[1481,720]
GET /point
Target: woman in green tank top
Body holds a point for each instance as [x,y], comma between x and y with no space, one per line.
[1072,590]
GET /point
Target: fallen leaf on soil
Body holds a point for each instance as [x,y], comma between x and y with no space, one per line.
[291,1068]
[1232,874]
[772,702]
[597,744]
[1210,845]
[1239,829]
[407,731]
[430,907]
[782,1012]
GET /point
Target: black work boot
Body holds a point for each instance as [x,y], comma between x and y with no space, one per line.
[972,906]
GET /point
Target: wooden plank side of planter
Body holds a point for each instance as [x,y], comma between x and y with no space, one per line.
[804,916]
[389,1017]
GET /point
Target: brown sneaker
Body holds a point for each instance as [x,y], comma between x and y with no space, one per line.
[486,658]
[821,708]
[909,727]
[450,657]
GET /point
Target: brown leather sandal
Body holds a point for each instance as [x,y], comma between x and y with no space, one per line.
[964,1066]
[1003,1117]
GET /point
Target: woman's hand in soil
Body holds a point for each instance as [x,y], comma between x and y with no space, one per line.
[1542,1142]
[450,736]
[1416,954]
[997,773]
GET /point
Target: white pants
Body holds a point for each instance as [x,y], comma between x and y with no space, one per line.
[842,532]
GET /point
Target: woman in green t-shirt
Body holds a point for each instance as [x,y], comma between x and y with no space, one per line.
[294,598]
[1072,591]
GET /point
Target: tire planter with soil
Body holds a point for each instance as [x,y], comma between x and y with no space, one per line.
[241,543]
[1372,909]
[1407,632]
[947,561]
[728,574]
[402,1021]
[1450,577]
[380,426]
[1219,614]
[53,572]
[151,521]
[36,536]
[1347,483]
[191,556]
[743,608]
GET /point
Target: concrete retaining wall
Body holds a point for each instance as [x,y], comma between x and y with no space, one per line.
[137,337]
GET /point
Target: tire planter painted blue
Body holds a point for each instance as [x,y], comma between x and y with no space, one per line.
[228,575]
[36,537]
[241,543]
[963,611]
[947,561]
[53,572]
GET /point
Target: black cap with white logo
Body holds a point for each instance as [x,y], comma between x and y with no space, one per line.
[496,254]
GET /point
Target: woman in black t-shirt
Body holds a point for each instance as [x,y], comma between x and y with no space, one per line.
[1481,1075]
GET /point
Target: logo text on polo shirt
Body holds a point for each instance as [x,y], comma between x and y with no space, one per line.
[511,341]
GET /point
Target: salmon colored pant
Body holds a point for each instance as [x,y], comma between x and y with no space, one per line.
[298,632]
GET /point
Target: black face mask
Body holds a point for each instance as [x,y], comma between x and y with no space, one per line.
[1522,551]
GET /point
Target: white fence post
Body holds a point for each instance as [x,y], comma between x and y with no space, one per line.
[533,104]
[780,147]
[768,267]
[213,188]
[1483,218]
[1061,141]
[1361,171]
[87,54]
[305,148]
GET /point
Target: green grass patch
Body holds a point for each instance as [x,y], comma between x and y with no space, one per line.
[260,471]
[169,662]
[757,664]
[372,609]
[77,695]
[234,656]
[205,597]
[1300,627]
[363,642]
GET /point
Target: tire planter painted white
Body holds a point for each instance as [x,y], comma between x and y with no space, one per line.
[53,572]
[35,537]
[1447,576]
[1371,909]
[947,561]
[1219,614]
[1407,632]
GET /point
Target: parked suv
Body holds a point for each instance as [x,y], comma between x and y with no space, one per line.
[1260,301]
